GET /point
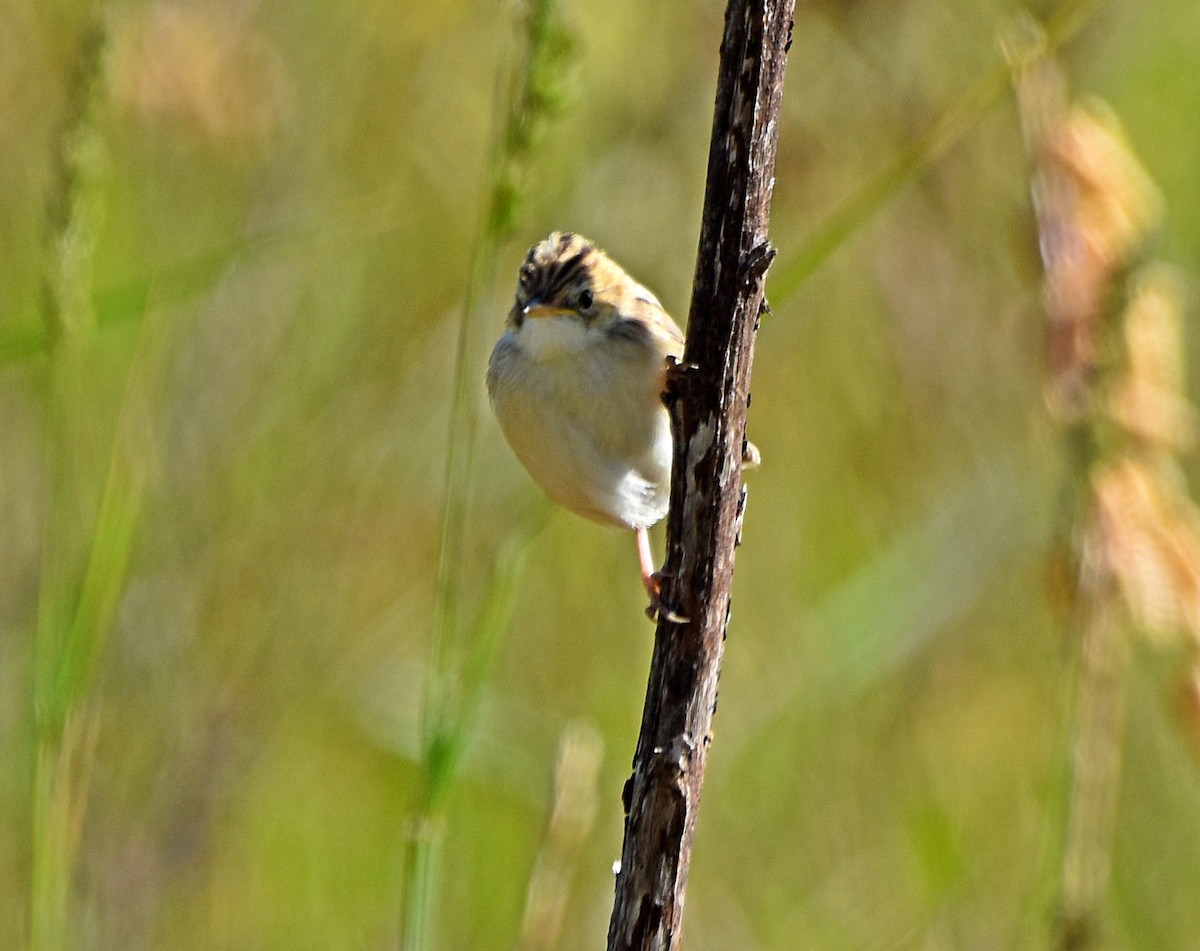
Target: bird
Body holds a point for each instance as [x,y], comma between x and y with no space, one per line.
[576,382]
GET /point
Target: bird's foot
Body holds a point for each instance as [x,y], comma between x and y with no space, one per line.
[657,608]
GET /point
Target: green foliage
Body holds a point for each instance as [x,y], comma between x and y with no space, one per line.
[460,655]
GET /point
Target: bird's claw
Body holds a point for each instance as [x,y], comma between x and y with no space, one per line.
[655,611]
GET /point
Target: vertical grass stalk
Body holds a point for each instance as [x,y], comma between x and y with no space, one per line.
[530,94]
[1095,761]
[74,603]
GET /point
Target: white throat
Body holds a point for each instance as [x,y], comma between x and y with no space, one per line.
[547,336]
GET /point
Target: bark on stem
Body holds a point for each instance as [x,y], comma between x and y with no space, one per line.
[708,398]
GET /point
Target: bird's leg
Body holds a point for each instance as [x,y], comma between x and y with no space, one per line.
[652,581]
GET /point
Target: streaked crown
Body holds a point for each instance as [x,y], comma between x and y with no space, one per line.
[565,266]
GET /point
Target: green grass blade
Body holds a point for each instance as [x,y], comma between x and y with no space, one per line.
[459,659]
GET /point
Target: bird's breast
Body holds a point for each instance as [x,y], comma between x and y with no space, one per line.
[589,427]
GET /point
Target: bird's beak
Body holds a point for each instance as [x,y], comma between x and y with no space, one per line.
[537,309]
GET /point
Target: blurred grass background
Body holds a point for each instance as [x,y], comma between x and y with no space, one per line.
[272,209]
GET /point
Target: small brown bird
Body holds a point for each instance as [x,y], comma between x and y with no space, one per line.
[576,382]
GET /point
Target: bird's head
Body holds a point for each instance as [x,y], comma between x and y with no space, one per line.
[567,277]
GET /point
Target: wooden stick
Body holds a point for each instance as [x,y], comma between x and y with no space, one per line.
[708,395]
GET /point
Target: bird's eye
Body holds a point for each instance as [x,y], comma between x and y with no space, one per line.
[585,299]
